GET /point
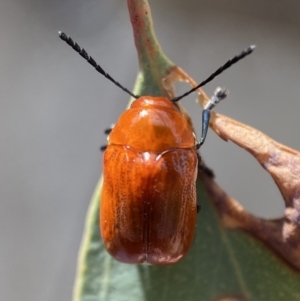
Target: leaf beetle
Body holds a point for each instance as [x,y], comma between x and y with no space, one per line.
[148,206]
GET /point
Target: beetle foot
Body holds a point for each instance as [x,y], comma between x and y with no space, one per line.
[209,172]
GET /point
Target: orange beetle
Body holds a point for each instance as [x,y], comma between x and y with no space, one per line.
[148,206]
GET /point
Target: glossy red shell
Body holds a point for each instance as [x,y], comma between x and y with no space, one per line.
[148,206]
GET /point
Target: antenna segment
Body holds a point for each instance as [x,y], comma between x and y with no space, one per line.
[86,56]
[219,71]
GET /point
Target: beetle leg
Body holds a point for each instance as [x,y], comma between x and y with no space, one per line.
[202,168]
[103,148]
[220,93]
[107,132]
[209,172]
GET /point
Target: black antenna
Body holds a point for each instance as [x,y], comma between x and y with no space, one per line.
[85,55]
[219,71]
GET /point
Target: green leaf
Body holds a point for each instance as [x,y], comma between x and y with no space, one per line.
[154,65]
[221,262]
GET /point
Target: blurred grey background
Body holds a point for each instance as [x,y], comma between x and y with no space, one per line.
[54,108]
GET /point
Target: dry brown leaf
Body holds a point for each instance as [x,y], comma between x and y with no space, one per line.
[283,164]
